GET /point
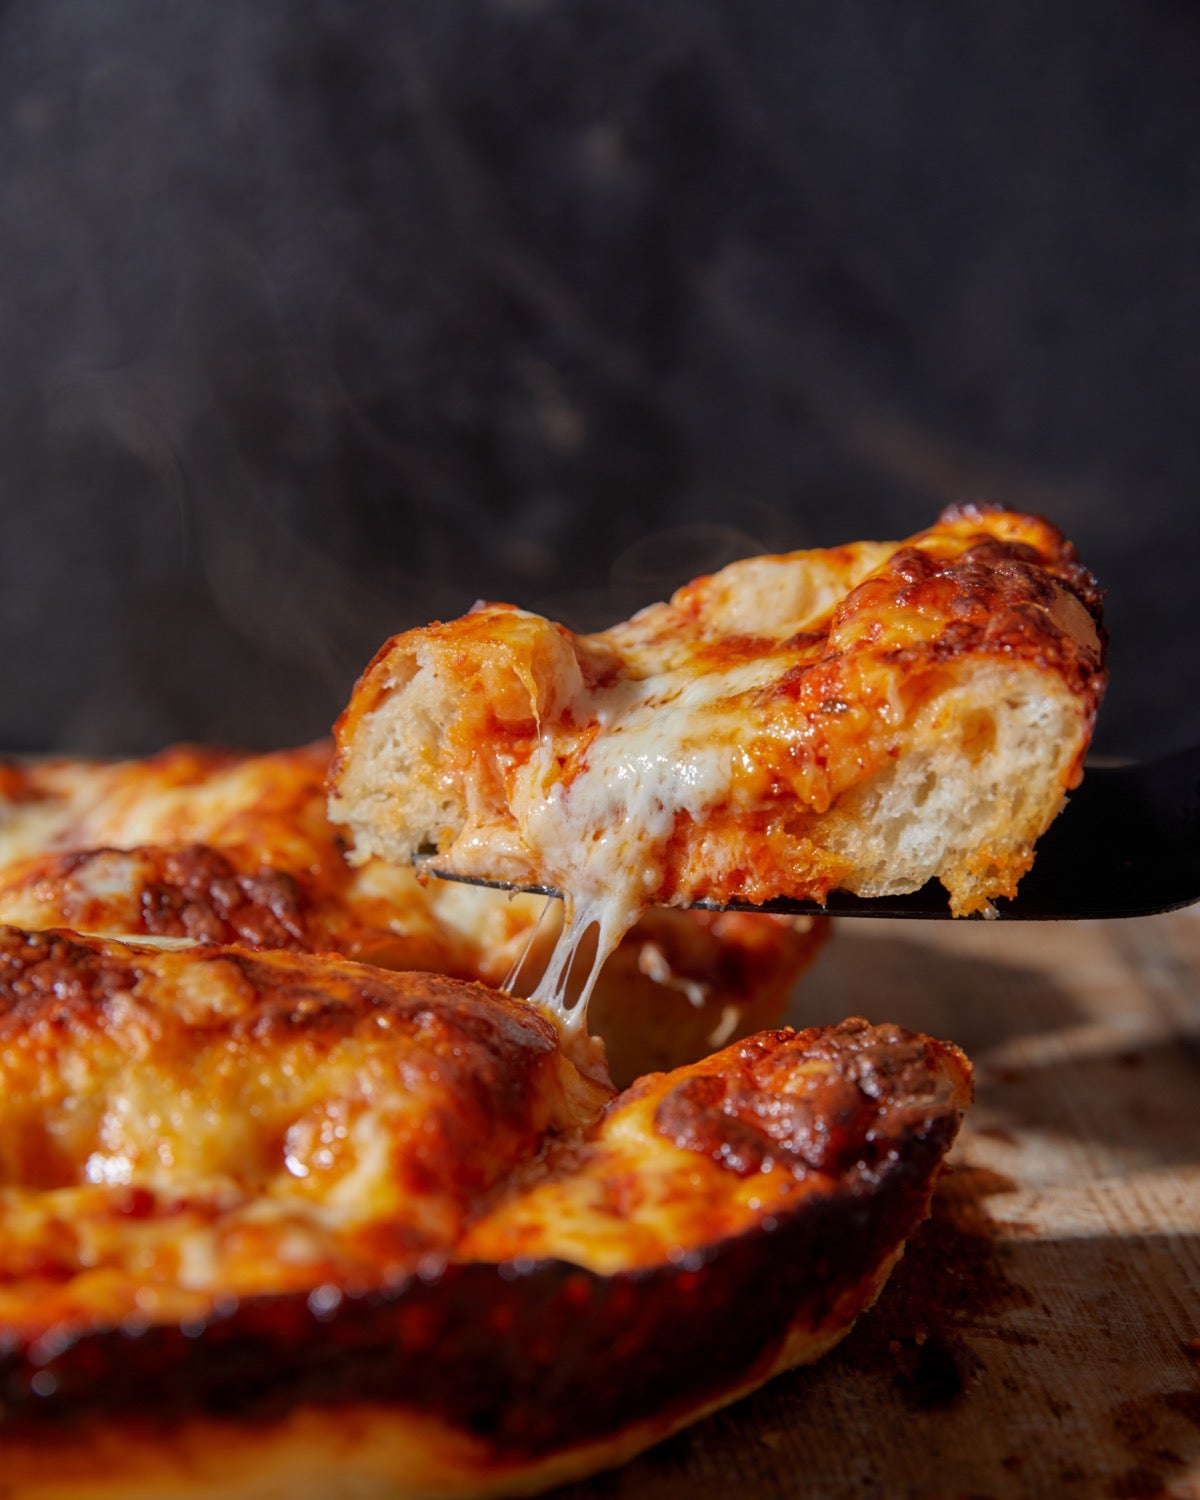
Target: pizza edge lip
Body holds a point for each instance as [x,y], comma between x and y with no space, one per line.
[530,1357]
[539,1334]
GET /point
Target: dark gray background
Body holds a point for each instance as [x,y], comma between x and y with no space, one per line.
[321,319]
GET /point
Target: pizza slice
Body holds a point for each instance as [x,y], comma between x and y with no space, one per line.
[276,1224]
[224,847]
[863,718]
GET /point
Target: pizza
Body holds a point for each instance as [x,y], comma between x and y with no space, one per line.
[225,847]
[284,1224]
[315,1178]
[864,718]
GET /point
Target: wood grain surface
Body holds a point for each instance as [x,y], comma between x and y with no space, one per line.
[1042,1335]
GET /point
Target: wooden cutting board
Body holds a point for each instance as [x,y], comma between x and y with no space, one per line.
[1042,1335]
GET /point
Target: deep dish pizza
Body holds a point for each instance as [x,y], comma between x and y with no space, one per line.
[864,718]
[283,1224]
[230,848]
[291,1205]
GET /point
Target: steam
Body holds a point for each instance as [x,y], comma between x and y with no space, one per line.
[321,321]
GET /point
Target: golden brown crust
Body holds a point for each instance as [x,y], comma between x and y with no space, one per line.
[459,1310]
[803,691]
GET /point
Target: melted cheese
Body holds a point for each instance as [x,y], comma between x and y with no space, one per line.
[665,750]
[867,717]
[178,1127]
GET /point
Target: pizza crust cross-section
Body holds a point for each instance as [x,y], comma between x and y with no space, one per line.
[864,718]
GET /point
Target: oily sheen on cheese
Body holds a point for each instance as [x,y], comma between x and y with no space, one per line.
[866,718]
[224,847]
[284,1225]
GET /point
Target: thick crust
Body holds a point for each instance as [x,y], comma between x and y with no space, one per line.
[214,846]
[866,718]
[275,1219]
[365,1450]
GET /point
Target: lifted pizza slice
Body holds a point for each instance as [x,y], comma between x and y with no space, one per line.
[863,718]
